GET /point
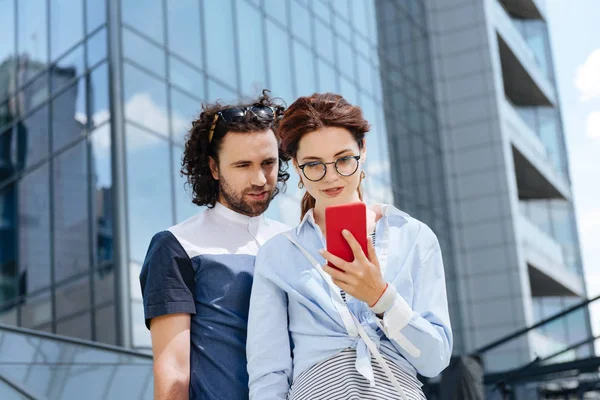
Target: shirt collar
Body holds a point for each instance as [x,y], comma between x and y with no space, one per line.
[224,212]
[309,216]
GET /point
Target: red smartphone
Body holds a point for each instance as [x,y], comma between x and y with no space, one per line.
[351,216]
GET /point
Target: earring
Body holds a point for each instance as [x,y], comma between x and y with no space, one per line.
[363,175]
[300,185]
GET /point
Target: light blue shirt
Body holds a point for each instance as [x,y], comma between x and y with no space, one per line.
[294,322]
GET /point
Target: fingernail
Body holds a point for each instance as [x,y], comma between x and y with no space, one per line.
[345,232]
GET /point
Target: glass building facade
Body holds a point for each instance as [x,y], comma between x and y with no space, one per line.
[82,191]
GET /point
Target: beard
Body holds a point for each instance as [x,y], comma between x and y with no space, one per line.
[240,204]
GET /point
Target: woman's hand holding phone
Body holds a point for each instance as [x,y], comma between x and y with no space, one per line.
[360,278]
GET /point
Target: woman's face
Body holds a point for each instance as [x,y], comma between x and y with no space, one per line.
[328,145]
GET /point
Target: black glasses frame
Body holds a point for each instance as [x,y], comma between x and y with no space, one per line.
[237,114]
[357,158]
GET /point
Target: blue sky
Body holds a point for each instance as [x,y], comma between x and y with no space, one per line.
[575,38]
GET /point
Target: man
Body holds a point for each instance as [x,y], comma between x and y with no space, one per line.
[197,275]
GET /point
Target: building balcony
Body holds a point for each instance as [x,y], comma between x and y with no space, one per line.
[531,9]
[548,273]
[537,177]
[524,81]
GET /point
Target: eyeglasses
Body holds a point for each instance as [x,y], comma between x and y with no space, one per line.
[237,114]
[314,171]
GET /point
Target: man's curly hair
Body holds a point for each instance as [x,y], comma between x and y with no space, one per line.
[195,165]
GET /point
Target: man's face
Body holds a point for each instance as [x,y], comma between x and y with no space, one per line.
[247,171]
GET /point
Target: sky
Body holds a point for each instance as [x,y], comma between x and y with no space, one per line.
[575,40]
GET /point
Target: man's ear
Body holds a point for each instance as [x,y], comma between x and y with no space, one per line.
[214,168]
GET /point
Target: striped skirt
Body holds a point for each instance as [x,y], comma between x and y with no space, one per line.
[337,378]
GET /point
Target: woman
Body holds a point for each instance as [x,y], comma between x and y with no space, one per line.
[300,344]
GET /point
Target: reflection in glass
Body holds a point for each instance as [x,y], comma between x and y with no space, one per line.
[184,31]
[305,76]
[96,14]
[79,327]
[345,58]
[145,100]
[37,90]
[186,77]
[99,142]
[7,50]
[279,62]
[217,92]
[68,115]
[32,30]
[252,57]
[184,208]
[66,25]
[67,68]
[220,40]
[106,326]
[324,41]
[301,23]
[144,53]
[73,297]
[327,77]
[36,311]
[184,109]
[145,16]
[33,206]
[149,189]
[99,97]
[104,285]
[70,213]
[96,48]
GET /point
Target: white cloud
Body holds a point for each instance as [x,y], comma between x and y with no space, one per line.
[593,124]
[587,77]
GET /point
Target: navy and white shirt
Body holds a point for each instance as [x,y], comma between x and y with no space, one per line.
[204,266]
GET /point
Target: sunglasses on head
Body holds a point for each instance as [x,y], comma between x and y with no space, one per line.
[237,114]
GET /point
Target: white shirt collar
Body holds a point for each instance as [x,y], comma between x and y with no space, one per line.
[310,217]
[256,226]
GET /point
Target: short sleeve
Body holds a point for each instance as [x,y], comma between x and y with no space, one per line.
[167,278]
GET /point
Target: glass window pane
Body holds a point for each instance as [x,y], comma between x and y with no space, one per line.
[32,29]
[184,208]
[349,91]
[277,10]
[145,16]
[34,230]
[37,90]
[145,100]
[71,220]
[104,284]
[359,20]
[327,78]
[7,47]
[36,311]
[220,41]
[143,52]
[66,25]
[342,28]
[96,48]
[96,14]
[324,41]
[345,58]
[99,142]
[279,62]
[79,327]
[73,297]
[149,189]
[9,273]
[186,77]
[67,69]
[365,74]
[99,97]
[305,76]
[221,93]
[69,116]
[252,48]
[106,323]
[184,109]
[184,30]
[301,22]
[32,137]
